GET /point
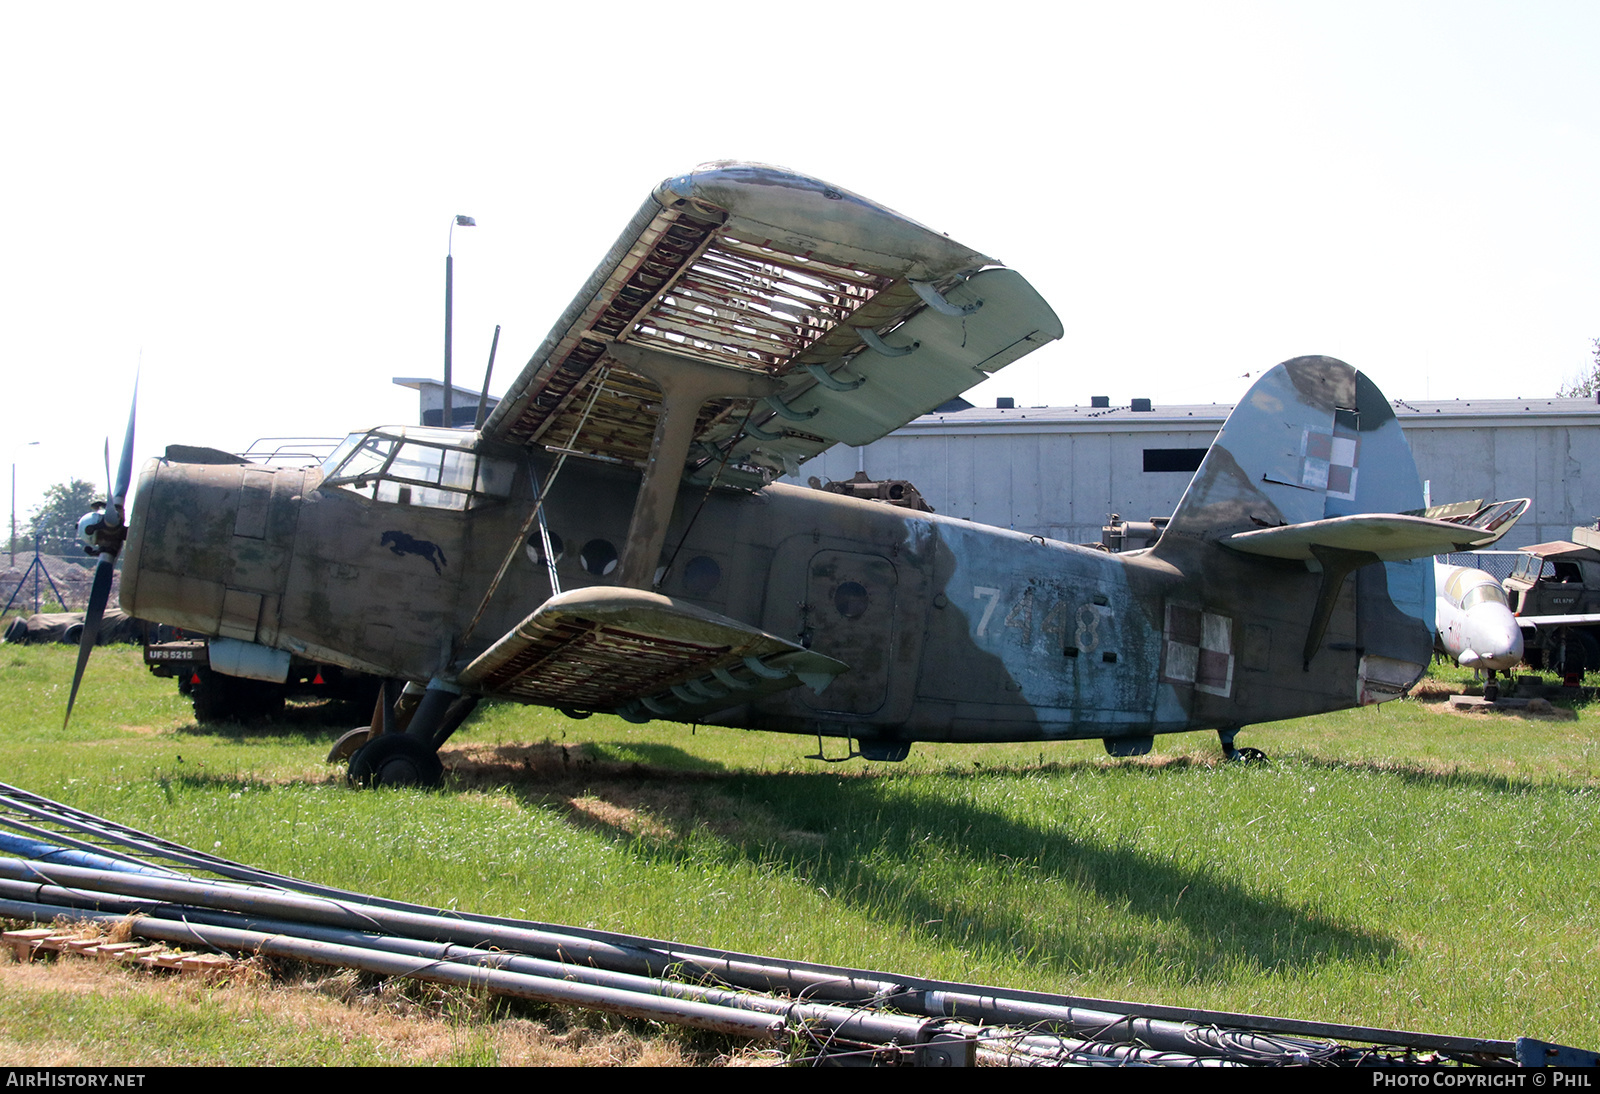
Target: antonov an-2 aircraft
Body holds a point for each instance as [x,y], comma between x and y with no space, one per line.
[612,539]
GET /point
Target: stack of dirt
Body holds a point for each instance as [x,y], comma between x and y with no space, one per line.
[73,578]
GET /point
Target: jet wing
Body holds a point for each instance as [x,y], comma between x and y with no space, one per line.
[641,655]
[1582,619]
[862,320]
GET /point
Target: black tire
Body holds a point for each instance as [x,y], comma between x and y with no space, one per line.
[219,697]
[396,759]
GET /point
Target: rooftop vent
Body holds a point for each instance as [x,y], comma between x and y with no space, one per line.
[1099,402]
[1141,405]
[1005,404]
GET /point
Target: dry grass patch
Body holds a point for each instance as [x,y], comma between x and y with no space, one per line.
[619,799]
[371,1020]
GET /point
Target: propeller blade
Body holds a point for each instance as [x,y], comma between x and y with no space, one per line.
[119,496]
[98,595]
[115,515]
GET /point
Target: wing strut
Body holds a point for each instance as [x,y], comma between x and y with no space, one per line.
[686,384]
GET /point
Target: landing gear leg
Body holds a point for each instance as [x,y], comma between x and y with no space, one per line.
[410,757]
[1239,755]
[1491,687]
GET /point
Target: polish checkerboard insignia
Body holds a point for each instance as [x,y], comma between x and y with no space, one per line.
[1328,461]
[1199,649]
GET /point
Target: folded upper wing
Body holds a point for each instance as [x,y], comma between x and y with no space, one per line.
[641,655]
[864,318]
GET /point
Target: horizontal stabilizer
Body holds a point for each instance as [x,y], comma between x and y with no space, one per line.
[1390,536]
[641,655]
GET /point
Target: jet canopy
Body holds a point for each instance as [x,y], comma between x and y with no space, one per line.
[415,465]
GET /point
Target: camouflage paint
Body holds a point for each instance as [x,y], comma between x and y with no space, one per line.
[954,631]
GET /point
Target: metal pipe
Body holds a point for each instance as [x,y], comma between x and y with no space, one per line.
[483,399]
[760,1016]
[542,989]
[1257,1037]
[1103,1034]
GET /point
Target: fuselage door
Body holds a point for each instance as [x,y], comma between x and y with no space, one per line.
[849,614]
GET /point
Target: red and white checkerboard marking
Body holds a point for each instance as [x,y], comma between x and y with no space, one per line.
[1328,461]
[1199,649]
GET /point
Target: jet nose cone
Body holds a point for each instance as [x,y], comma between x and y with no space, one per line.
[1493,634]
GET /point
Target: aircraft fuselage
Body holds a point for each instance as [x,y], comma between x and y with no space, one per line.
[953,631]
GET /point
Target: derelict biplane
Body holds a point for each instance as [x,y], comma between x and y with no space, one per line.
[613,540]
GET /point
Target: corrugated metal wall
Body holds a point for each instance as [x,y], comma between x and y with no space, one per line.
[1066,479]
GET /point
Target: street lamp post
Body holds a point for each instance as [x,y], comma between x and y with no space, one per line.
[449,307]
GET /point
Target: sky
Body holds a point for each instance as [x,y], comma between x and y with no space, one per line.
[250,205]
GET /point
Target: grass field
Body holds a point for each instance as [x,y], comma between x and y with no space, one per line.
[1394,866]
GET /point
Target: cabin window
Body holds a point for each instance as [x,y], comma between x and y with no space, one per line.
[701,575]
[535,548]
[408,465]
[598,557]
[850,600]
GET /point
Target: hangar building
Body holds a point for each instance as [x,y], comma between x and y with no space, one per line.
[1062,471]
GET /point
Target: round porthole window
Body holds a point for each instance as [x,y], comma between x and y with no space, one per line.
[701,576]
[535,548]
[598,557]
[851,600]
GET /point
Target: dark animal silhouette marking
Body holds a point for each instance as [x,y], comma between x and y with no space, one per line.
[402,544]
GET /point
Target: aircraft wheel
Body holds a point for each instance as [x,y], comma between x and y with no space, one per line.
[396,759]
[1250,756]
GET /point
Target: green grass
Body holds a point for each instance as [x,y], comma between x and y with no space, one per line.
[1394,866]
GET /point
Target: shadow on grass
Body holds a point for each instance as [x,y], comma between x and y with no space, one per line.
[312,721]
[960,874]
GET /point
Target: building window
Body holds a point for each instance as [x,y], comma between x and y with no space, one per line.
[1173,459]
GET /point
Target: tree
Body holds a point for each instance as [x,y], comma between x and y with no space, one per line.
[1584,386]
[55,521]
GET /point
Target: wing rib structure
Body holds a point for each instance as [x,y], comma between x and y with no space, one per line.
[641,655]
[859,318]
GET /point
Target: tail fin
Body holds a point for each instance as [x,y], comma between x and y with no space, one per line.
[1313,461]
[1311,466]
[1312,439]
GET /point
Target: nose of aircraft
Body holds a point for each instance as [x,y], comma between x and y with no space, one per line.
[1493,636]
[209,545]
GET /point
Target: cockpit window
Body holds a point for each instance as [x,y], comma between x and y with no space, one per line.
[1481,593]
[413,465]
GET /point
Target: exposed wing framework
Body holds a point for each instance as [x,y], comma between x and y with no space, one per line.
[641,655]
[861,318]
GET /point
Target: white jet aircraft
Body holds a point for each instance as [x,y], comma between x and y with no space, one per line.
[1475,624]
